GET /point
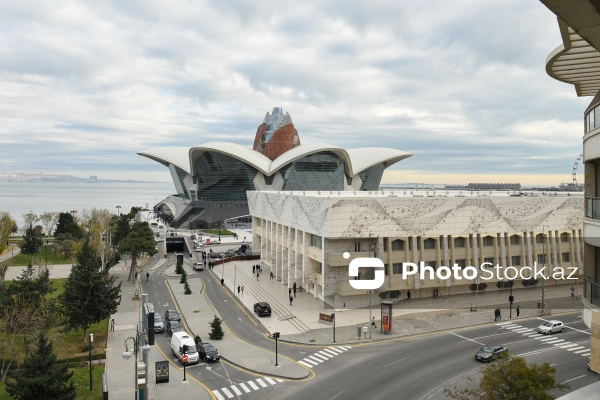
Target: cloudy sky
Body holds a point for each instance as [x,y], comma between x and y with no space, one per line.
[85,85]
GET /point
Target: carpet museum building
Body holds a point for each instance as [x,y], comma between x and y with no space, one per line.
[577,62]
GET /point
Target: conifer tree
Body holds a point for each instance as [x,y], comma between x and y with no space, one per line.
[89,295]
[183,277]
[186,288]
[31,241]
[40,377]
[216,332]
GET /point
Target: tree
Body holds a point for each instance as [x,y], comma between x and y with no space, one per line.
[139,241]
[89,293]
[32,242]
[30,218]
[41,377]
[186,288]
[216,332]
[67,224]
[122,229]
[510,378]
[6,227]
[100,225]
[183,277]
[49,220]
[66,245]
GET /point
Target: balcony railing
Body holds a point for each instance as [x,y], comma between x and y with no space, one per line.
[592,291]
[592,207]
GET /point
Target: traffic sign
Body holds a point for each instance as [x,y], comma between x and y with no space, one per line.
[184,359]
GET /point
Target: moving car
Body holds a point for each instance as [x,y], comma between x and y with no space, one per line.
[262,308]
[489,353]
[172,315]
[159,324]
[198,266]
[208,352]
[173,327]
[550,327]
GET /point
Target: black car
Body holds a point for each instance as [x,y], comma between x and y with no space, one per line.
[489,353]
[172,315]
[207,352]
[159,325]
[262,308]
[174,326]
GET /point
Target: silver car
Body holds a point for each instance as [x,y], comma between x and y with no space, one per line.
[550,327]
[159,325]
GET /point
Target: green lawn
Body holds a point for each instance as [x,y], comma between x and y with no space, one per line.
[21,260]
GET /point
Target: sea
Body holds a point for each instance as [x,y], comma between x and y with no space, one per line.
[18,198]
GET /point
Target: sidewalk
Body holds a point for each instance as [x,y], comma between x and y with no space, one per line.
[121,372]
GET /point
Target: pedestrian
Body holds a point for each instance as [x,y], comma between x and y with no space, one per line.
[112,324]
[408,295]
[291,299]
[147,276]
[271,275]
[373,323]
[294,290]
[257,275]
[242,289]
[222,281]
[239,288]
[518,311]
[499,315]
[496,312]
[290,292]
[253,268]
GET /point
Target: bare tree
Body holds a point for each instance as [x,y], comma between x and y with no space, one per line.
[49,219]
[30,218]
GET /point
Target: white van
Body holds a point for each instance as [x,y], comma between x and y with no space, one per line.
[178,340]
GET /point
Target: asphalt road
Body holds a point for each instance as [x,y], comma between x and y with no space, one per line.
[418,367]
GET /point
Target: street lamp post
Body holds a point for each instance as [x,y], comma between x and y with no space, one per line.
[543,305]
[91,341]
[276,336]
[370,291]
[127,356]
[234,278]
[118,210]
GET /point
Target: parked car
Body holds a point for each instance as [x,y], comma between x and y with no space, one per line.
[159,324]
[489,353]
[174,326]
[172,315]
[230,253]
[208,352]
[198,266]
[262,308]
[550,327]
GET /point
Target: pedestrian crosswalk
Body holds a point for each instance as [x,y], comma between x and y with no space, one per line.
[323,355]
[555,341]
[245,387]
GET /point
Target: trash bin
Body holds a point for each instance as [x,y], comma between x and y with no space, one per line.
[365,330]
[359,331]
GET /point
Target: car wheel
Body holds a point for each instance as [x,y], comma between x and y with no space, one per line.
[562,330]
[550,332]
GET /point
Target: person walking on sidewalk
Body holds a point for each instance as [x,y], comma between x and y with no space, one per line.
[518,311]
[242,289]
[257,274]
[271,275]
[239,288]
[291,299]
[112,324]
[253,268]
[499,315]
[373,323]
[294,287]
[222,281]
[147,276]
[290,292]
[408,295]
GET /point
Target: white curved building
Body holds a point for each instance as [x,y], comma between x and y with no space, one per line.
[212,179]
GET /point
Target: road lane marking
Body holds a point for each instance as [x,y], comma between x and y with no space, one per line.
[546,339]
[314,359]
[271,381]
[227,393]
[466,338]
[320,357]
[252,385]
[218,395]
[554,341]
[505,323]
[309,362]
[572,379]
[581,351]
[576,348]
[261,382]
[324,355]
[243,385]
[329,352]
[236,390]
[336,350]
[566,346]
[396,362]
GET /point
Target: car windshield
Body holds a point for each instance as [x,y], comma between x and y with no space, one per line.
[157,318]
[191,349]
[209,347]
[175,325]
[548,324]
[488,349]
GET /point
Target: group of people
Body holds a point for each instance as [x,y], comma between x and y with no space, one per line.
[257,269]
[240,289]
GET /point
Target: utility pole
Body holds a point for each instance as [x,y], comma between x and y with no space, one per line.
[543,306]
[370,291]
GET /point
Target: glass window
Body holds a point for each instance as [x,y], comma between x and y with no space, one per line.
[222,178]
[564,237]
[431,264]
[461,263]
[566,257]
[539,238]
[356,247]
[595,122]
[398,245]
[515,261]
[541,258]
[515,239]
[429,244]
[178,175]
[371,177]
[459,242]
[319,171]
[488,241]
[489,260]
[385,245]
[317,241]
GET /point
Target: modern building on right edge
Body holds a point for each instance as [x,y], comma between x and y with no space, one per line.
[577,62]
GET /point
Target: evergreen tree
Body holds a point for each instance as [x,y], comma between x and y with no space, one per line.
[186,288]
[67,224]
[216,332]
[140,240]
[183,277]
[89,295]
[31,241]
[40,377]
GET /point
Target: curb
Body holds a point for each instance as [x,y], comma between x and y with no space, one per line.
[263,373]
